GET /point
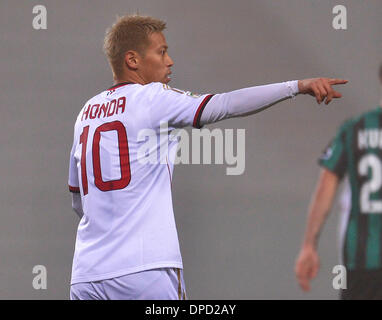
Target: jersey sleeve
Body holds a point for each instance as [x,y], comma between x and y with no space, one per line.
[176,108]
[334,157]
[73,181]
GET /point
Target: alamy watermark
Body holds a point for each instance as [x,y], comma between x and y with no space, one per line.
[194,148]
[340,19]
[40,281]
[340,280]
[40,21]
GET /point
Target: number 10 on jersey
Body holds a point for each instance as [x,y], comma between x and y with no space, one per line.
[124,160]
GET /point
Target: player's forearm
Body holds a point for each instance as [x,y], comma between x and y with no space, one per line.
[247,101]
[318,213]
[320,207]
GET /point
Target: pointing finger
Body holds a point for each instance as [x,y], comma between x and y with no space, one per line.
[337,81]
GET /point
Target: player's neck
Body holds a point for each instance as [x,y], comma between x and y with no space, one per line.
[131,78]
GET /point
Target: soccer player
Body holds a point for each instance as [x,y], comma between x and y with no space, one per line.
[355,152]
[127,244]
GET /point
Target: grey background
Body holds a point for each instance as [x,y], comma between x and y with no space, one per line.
[239,235]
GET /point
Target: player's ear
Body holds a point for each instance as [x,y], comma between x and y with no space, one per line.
[132,60]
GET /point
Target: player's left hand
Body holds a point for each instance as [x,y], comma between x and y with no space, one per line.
[307,265]
[320,88]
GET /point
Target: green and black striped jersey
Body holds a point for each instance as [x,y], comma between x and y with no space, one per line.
[356,151]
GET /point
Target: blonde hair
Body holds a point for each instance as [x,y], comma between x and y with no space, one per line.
[129,32]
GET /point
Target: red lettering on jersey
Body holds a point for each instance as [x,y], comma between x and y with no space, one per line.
[121,104]
[92,113]
[103,109]
[84,142]
[85,113]
[111,111]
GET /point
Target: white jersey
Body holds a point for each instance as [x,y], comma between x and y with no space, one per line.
[128,223]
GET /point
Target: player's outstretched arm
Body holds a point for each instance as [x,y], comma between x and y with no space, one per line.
[307,263]
[248,101]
